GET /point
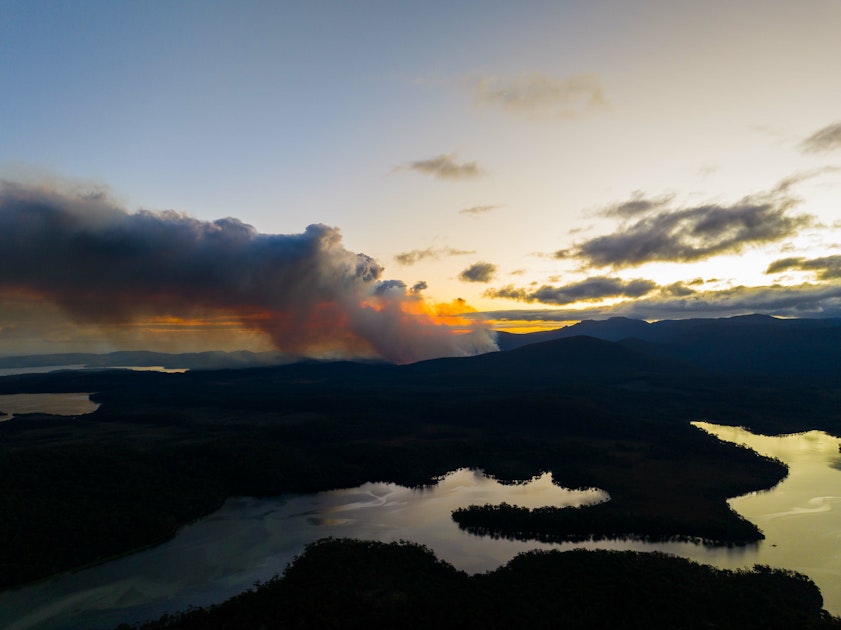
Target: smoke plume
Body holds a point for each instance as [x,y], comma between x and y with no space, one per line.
[102,264]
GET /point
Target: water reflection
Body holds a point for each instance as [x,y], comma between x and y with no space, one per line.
[73,404]
[253,539]
[801,516]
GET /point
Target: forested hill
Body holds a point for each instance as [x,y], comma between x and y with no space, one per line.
[749,345]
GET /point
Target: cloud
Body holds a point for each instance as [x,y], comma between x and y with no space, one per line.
[416,255]
[589,290]
[823,140]
[478,272]
[478,210]
[678,289]
[539,96]
[445,166]
[105,266]
[636,206]
[805,300]
[694,233]
[827,267]
[786,184]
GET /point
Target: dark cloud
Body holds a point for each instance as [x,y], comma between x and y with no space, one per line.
[823,140]
[784,264]
[419,286]
[805,300]
[591,289]
[103,265]
[827,267]
[636,206]
[540,96]
[446,167]
[694,233]
[677,289]
[417,255]
[478,272]
[478,210]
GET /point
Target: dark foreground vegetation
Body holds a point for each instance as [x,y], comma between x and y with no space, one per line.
[359,584]
[165,449]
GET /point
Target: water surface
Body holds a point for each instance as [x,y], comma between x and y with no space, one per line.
[73,404]
[250,540]
[800,516]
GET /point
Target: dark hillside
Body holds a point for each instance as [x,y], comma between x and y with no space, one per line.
[360,584]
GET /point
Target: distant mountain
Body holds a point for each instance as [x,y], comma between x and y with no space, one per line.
[613,329]
[750,344]
[210,360]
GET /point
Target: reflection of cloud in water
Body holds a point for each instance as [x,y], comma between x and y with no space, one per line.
[821,504]
[328,522]
[799,516]
[251,539]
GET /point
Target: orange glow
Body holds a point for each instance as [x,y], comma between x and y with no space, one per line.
[440,313]
[397,326]
[527,326]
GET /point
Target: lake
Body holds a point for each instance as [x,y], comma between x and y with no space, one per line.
[800,516]
[250,540]
[253,539]
[73,404]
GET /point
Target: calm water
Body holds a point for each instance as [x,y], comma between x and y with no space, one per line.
[74,404]
[801,516]
[250,539]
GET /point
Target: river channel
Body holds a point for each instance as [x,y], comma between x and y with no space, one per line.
[250,540]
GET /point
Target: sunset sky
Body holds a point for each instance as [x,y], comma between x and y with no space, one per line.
[537,162]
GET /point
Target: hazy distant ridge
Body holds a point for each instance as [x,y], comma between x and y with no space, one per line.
[750,344]
[140,358]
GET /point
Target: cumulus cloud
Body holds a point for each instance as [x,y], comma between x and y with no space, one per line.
[827,267]
[477,210]
[478,272]
[416,255]
[656,233]
[589,290]
[445,166]
[823,140]
[539,96]
[103,265]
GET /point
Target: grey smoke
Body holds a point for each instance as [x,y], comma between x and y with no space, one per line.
[103,264]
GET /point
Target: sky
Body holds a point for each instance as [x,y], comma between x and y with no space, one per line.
[397,180]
